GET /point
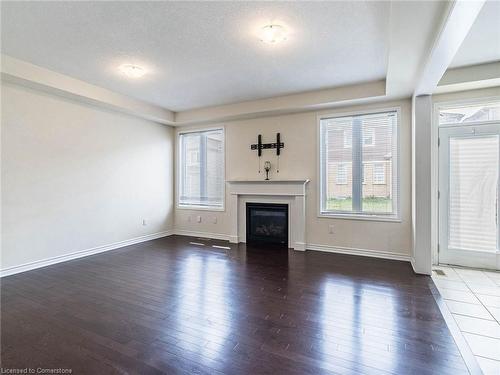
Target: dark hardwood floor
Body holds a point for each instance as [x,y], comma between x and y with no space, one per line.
[168,306]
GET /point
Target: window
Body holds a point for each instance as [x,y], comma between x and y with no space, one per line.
[379,173]
[201,169]
[466,114]
[347,138]
[369,137]
[359,181]
[341,174]
[193,157]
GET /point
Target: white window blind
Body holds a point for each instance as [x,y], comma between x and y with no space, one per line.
[473,178]
[367,145]
[201,169]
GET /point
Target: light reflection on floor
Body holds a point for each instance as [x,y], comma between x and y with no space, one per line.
[204,292]
[359,349]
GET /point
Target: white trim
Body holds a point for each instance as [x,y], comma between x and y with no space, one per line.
[178,168]
[201,208]
[300,246]
[435,184]
[217,236]
[450,103]
[351,216]
[412,262]
[82,253]
[396,216]
[190,233]
[313,247]
[197,129]
[359,252]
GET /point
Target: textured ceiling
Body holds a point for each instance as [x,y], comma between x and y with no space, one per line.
[202,54]
[482,44]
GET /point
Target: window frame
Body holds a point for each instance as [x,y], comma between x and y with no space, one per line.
[178,205]
[391,217]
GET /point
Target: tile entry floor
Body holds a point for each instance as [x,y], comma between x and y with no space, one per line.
[473,298]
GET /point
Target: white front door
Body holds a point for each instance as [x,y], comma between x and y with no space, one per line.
[469,159]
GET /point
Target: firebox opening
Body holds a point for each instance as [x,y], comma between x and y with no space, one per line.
[267,223]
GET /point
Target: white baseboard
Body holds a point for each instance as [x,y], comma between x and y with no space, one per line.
[218,236]
[412,261]
[417,271]
[82,253]
[300,246]
[313,247]
[361,252]
[214,236]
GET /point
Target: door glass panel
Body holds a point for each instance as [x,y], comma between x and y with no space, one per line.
[473,193]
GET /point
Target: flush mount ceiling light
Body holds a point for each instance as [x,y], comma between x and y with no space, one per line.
[273,34]
[132,71]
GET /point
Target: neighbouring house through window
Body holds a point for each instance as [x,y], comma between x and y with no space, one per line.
[358,165]
[201,169]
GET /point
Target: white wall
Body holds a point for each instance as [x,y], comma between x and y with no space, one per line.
[76,177]
[491,92]
[299,160]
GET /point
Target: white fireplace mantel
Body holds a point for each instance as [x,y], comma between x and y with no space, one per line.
[291,192]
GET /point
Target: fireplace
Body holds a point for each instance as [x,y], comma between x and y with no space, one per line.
[267,223]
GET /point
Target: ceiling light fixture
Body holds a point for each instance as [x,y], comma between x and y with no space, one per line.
[273,34]
[132,71]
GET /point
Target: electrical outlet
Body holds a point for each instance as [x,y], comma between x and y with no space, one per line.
[330,229]
[144,222]
[214,220]
[198,219]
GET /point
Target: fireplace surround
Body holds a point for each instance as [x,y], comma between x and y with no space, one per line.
[288,192]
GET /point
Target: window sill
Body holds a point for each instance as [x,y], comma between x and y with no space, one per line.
[392,219]
[200,208]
